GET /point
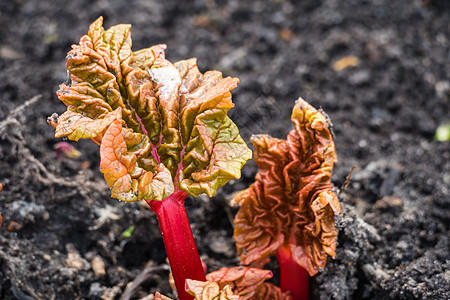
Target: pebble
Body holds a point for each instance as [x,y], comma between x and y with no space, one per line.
[98,266]
[74,259]
[388,202]
[96,290]
[447,275]
[345,62]
[376,271]
[8,52]
[111,293]
[368,230]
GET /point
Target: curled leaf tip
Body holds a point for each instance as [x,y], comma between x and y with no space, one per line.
[160,126]
[291,203]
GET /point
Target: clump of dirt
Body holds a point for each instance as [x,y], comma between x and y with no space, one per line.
[379,69]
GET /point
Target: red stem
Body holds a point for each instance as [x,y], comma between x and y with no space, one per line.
[293,278]
[178,240]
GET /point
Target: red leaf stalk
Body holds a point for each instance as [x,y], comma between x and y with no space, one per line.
[179,241]
[294,279]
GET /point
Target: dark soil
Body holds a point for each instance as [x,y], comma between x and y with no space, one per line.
[393,233]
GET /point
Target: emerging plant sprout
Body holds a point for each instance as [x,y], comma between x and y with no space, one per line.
[289,210]
[241,283]
[162,128]
[209,290]
[248,283]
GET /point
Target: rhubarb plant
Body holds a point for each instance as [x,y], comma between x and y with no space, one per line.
[289,210]
[162,129]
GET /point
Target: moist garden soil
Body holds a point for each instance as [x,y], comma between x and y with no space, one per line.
[379,69]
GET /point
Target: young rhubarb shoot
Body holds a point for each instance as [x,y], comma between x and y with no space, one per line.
[289,210]
[248,283]
[162,128]
[241,283]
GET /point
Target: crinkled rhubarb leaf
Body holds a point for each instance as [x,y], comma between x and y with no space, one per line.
[247,282]
[209,291]
[75,126]
[234,283]
[269,291]
[204,290]
[160,126]
[291,202]
[242,280]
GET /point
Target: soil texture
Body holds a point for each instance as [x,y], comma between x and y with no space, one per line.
[379,69]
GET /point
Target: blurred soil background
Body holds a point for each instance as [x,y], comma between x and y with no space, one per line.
[380,69]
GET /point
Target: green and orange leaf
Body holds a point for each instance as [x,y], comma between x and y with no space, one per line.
[75,126]
[291,203]
[160,126]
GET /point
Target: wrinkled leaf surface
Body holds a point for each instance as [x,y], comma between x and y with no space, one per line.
[160,126]
[209,291]
[248,283]
[291,203]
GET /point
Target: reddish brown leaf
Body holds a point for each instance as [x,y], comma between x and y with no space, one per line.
[248,283]
[269,291]
[291,202]
[242,280]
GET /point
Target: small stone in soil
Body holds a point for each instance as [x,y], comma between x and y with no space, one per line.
[98,266]
[388,202]
[74,259]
